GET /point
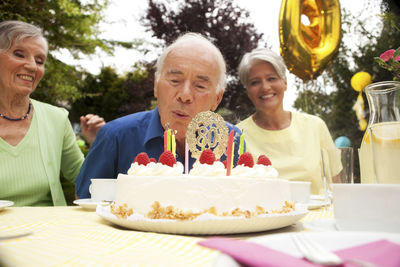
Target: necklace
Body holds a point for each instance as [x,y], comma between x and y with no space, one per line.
[18,119]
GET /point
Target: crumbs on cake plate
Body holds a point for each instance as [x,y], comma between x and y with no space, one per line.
[172,213]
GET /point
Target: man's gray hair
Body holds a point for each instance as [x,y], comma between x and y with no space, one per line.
[13,30]
[260,55]
[191,36]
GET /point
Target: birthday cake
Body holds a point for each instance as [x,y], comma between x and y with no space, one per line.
[162,190]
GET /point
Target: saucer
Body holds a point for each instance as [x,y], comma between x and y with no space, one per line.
[5,203]
[321,225]
[317,201]
[89,204]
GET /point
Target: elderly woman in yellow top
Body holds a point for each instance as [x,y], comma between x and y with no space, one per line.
[292,140]
[36,139]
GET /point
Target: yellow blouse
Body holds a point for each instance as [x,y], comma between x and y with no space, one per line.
[295,151]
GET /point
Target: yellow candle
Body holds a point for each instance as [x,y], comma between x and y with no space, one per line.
[173,144]
[169,139]
[241,145]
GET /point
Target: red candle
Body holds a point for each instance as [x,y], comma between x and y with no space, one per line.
[165,140]
[229,154]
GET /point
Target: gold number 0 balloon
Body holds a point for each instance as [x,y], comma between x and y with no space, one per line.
[307,49]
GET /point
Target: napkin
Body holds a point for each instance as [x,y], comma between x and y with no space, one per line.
[381,253]
[252,254]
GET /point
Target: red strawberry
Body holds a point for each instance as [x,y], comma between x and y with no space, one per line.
[246,159]
[153,160]
[142,159]
[264,160]
[167,158]
[207,157]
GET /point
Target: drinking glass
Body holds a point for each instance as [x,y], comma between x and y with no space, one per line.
[385,142]
[337,167]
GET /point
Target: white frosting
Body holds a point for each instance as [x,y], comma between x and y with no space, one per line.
[195,193]
[257,171]
[154,169]
[216,169]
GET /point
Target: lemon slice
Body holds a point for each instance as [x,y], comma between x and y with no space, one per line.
[387,133]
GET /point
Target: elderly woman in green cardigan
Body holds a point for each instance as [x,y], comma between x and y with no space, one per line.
[36,139]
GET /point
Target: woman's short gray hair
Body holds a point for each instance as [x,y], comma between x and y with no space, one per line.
[191,36]
[14,30]
[257,55]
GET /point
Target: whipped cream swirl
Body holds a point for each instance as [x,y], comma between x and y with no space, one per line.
[155,169]
[257,171]
[216,169]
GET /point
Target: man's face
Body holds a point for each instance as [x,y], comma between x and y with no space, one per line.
[187,86]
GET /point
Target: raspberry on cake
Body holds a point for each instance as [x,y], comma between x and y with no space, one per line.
[167,158]
[264,160]
[246,159]
[207,157]
[142,159]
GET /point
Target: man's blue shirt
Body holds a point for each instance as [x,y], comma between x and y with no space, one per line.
[119,141]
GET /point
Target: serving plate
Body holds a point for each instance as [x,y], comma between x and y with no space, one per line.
[206,224]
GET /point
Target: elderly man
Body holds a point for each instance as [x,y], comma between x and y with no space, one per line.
[190,78]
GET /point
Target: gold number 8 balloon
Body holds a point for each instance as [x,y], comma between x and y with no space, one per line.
[308,49]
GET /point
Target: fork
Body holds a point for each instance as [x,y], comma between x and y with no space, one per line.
[314,252]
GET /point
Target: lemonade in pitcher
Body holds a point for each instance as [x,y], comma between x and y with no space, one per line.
[384,104]
[385,144]
[367,175]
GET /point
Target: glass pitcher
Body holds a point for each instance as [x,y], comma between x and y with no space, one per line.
[384,105]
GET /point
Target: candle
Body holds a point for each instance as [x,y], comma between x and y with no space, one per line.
[186,158]
[229,154]
[241,144]
[173,144]
[169,139]
[233,153]
[165,140]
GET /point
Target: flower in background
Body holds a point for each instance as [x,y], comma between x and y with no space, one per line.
[390,60]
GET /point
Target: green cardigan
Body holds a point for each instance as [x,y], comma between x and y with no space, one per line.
[58,150]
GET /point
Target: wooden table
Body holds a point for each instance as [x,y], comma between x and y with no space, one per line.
[72,236]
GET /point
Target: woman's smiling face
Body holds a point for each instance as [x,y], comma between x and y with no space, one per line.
[265,87]
[22,66]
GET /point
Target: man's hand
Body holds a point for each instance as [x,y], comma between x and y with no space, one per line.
[90,125]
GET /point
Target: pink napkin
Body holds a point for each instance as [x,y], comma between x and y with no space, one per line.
[381,253]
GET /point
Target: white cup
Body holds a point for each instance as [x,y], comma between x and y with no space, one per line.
[103,189]
[300,191]
[367,207]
